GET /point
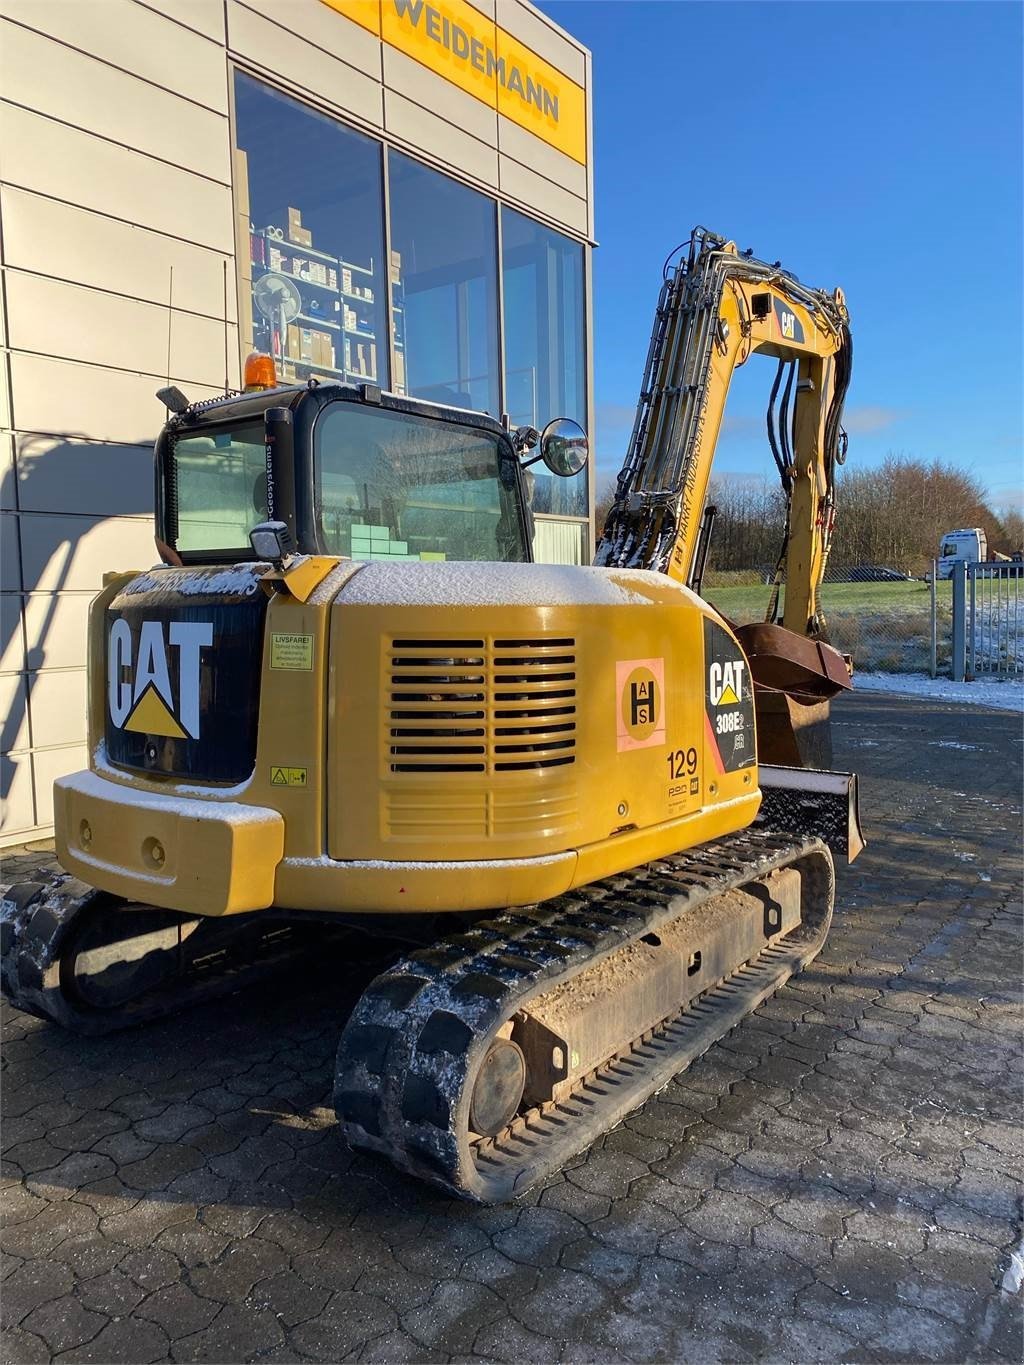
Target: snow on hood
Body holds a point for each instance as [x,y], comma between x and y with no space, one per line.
[434,583]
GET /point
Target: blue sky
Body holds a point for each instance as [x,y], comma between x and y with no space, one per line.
[872,145]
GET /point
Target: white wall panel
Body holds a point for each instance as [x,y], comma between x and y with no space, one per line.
[48,765]
[56,628]
[56,80]
[14,710]
[63,398]
[66,163]
[137,39]
[17,808]
[10,563]
[12,643]
[542,196]
[54,318]
[56,474]
[48,237]
[57,702]
[325,28]
[204,16]
[448,143]
[63,553]
[284,53]
[8,491]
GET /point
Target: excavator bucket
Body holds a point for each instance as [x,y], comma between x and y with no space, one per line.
[795,679]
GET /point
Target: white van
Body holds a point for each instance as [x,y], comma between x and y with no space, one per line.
[970,544]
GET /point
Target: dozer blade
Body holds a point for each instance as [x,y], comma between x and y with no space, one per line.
[485,1062]
[94,963]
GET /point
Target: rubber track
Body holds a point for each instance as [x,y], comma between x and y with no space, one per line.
[411,1049]
[38,918]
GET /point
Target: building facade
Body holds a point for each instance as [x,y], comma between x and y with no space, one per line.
[386,191]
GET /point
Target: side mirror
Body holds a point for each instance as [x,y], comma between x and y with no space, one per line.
[564,447]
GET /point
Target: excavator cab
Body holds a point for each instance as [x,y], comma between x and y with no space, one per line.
[354,473]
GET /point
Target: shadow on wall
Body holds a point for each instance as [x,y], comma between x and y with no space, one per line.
[74,483]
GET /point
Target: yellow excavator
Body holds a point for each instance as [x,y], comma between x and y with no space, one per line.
[346,697]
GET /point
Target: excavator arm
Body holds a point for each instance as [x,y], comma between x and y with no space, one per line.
[716,309]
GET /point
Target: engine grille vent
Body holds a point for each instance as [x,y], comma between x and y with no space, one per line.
[478,706]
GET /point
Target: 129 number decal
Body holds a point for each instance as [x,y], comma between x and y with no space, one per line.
[682,763]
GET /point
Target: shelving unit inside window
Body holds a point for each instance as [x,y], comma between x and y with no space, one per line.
[313,311]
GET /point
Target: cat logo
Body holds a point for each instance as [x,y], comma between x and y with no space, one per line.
[145,702]
[725,682]
[790,326]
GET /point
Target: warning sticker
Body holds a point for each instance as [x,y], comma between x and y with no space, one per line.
[288,777]
[292,652]
[728,702]
[640,714]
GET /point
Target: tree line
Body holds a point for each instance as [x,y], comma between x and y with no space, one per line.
[892,515]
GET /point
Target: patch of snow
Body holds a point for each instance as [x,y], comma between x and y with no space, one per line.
[438,865]
[140,781]
[187,808]
[1013,1276]
[327,590]
[458,583]
[1001,696]
[236,580]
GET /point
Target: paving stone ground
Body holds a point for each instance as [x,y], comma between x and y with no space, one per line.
[839,1179]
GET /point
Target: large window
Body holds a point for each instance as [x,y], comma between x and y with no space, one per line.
[444,279]
[545,346]
[313,287]
[397,486]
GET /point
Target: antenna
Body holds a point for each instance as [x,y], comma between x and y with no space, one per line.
[170,315]
[227,365]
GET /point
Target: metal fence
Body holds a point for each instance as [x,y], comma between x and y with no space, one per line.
[967,626]
[988,621]
[881,618]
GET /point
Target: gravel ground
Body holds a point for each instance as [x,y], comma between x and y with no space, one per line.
[838,1179]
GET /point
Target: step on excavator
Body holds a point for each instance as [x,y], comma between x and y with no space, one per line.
[589,815]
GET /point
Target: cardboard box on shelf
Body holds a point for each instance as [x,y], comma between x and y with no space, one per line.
[398,379]
[346,279]
[292,344]
[296,232]
[373,360]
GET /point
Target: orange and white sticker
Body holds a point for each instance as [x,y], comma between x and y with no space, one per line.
[640,713]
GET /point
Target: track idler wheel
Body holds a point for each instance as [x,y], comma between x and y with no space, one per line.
[498,1089]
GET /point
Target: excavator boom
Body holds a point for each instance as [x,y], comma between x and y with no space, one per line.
[718,307]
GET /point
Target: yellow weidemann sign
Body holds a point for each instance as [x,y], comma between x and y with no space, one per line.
[459,43]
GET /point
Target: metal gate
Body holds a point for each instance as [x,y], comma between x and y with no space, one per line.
[988,620]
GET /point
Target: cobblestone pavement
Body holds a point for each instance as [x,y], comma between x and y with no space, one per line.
[838,1179]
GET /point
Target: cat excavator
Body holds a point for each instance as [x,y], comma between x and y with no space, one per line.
[346,697]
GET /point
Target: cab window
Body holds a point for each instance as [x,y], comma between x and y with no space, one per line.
[394,485]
